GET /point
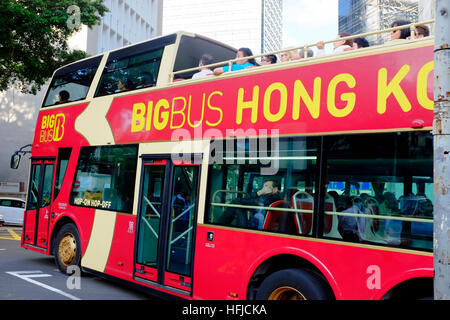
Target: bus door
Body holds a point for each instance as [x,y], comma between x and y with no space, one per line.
[166,222]
[37,212]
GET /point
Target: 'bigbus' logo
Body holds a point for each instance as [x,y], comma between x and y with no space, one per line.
[52,128]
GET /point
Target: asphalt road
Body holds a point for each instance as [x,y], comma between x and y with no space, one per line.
[27,275]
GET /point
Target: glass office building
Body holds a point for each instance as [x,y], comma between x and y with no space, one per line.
[360,16]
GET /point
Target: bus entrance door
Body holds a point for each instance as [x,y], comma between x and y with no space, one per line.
[168,207]
[37,214]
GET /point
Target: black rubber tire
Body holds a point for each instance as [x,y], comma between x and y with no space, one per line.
[71,231]
[309,284]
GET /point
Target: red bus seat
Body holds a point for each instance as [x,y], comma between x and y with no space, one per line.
[280,221]
[329,206]
[304,201]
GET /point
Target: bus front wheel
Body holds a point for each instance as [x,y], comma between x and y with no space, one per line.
[68,247]
[293,284]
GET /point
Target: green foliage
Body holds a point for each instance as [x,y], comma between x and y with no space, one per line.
[33,38]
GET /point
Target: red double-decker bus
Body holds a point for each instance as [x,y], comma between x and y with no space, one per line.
[309,179]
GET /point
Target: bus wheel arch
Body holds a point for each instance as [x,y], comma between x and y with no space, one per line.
[417,288]
[292,265]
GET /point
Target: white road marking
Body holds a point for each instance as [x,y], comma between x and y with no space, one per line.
[27,275]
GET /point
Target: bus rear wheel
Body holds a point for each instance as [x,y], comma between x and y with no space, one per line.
[293,284]
[67,247]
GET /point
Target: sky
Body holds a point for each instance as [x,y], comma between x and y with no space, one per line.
[308,21]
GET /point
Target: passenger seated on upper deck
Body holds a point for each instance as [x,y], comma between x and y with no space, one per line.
[145,80]
[239,65]
[338,46]
[205,60]
[121,87]
[400,34]
[270,59]
[308,55]
[359,43]
[422,31]
[64,96]
[290,55]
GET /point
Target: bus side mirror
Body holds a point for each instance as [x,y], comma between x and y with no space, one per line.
[15,160]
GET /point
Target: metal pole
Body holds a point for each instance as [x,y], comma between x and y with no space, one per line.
[441,132]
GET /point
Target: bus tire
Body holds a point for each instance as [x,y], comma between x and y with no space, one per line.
[293,284]
[67,247]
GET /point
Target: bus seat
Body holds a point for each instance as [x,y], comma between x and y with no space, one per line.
[304,201]
[280,221]
[329,206]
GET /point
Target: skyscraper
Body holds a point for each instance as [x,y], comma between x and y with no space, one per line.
[126,22]
[256,24]
[360,16]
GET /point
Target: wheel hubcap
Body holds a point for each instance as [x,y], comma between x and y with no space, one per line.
[67,249]
[286,293]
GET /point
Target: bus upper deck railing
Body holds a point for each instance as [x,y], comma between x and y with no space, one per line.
[411,26]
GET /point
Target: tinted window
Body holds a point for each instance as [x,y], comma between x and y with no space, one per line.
[265,185]
[61,167]
[130,72]
[105,178]
[72,82]
[381,187]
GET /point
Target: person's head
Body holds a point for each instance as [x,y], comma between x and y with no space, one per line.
[390,200]
[360,43]
[245,52]
[348,42]
[64,96]
[285,56]
[205,60]
[270,59]
[273,185]
[400,34]
[308,55]
[422,31]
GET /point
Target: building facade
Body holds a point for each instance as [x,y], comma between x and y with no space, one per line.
[256,24]
[128,21]
[361,16]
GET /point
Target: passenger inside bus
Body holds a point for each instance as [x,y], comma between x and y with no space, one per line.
[266,196]
[64,96]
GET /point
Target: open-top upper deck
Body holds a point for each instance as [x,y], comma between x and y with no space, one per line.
[134,94]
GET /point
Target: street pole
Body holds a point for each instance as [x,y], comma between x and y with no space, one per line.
[441,132]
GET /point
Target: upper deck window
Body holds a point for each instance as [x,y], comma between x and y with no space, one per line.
[72,82]
[133,67]
[191,49]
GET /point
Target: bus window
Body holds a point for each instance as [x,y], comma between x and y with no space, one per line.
[61,167]
[385,175]
[105,178]
[271,190]
[124,73]
[191,49]
[71,83]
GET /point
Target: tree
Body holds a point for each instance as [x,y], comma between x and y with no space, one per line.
[33,38]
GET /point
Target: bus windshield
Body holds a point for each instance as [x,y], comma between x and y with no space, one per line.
[71,83]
